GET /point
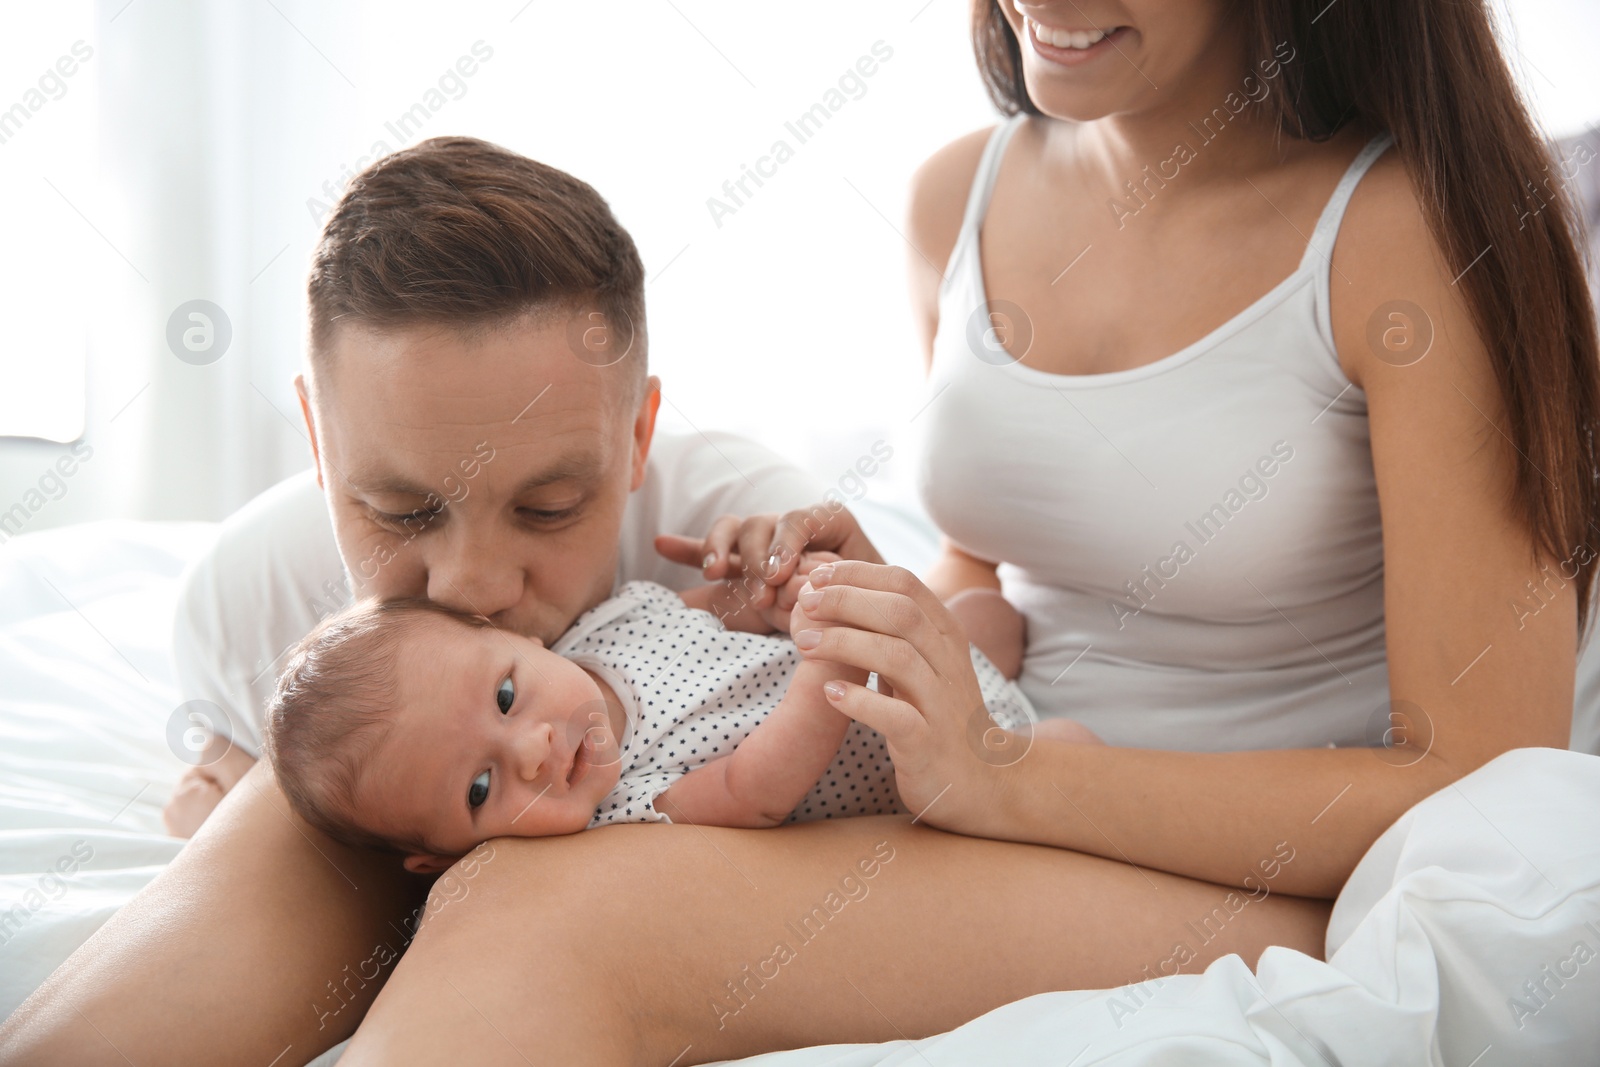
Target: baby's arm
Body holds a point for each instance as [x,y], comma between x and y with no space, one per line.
[759,783]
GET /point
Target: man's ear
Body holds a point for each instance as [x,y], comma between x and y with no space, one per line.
[644,429]
[304,393]
[423,863]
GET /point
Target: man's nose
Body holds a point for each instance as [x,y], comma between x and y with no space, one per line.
[473,571]
[530,750]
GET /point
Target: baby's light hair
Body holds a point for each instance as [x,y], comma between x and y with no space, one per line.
[334,706]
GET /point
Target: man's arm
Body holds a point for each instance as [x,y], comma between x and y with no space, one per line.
[272,573]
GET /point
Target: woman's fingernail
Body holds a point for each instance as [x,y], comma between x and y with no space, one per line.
[705,564]
[834,689]
[808,638]
[770,568]
[809,597]
[821,574]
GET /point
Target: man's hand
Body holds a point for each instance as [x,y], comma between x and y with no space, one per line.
[202,788]
[759,556]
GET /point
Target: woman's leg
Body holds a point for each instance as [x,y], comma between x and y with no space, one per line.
[259,941]
[639,944]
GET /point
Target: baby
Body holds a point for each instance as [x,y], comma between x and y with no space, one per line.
[409,727]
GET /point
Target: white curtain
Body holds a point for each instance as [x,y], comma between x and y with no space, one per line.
[226,128]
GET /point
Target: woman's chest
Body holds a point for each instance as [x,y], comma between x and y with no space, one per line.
[1096,280]
[1245,459]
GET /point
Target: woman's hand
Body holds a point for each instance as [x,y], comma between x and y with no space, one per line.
[949,757]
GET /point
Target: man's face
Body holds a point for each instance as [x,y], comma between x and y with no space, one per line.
[486,471]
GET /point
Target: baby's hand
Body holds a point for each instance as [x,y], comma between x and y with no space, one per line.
[785,613]
[763,610]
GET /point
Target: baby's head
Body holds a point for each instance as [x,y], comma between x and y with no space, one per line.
[408,727]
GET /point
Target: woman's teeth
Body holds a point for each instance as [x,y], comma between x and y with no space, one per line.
[1078,39]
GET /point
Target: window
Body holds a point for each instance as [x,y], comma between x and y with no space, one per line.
[47,115]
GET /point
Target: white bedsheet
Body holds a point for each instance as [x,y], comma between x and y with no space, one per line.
[1474,892]
[86,691]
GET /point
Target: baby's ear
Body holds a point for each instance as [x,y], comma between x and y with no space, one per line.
[424,863]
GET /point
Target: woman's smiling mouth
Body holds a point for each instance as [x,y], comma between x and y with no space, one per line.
[1069,47]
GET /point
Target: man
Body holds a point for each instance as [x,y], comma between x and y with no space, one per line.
[482,425]
[429,489]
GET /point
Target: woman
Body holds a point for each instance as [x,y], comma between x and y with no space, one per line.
[1432,357]
[1135,296]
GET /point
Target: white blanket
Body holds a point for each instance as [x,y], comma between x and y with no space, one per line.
[1485,886]
[1461,939]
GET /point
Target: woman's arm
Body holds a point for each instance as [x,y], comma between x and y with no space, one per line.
[1472,673]
[669,944]
[968,585]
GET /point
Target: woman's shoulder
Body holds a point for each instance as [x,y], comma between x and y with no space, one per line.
[939,190]
[1386,250]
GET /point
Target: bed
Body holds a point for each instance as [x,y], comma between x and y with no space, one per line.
[1469,935]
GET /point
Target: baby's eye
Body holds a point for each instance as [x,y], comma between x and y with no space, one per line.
[506,695]
[479,791]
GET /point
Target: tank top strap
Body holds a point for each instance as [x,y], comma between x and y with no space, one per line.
[1320,247]
[983,180]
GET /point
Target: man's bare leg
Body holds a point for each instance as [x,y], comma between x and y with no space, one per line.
[639,944]
[257,942]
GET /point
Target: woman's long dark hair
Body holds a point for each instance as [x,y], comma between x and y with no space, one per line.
[1431,73]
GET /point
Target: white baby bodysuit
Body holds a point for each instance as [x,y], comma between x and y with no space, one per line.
[693,690]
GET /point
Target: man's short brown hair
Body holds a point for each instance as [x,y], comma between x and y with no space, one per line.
[461,232]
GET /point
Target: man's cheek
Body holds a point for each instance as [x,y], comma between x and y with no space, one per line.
[397,570]
[380,562]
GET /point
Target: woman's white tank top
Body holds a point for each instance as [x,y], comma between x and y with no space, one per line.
[1196,542]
